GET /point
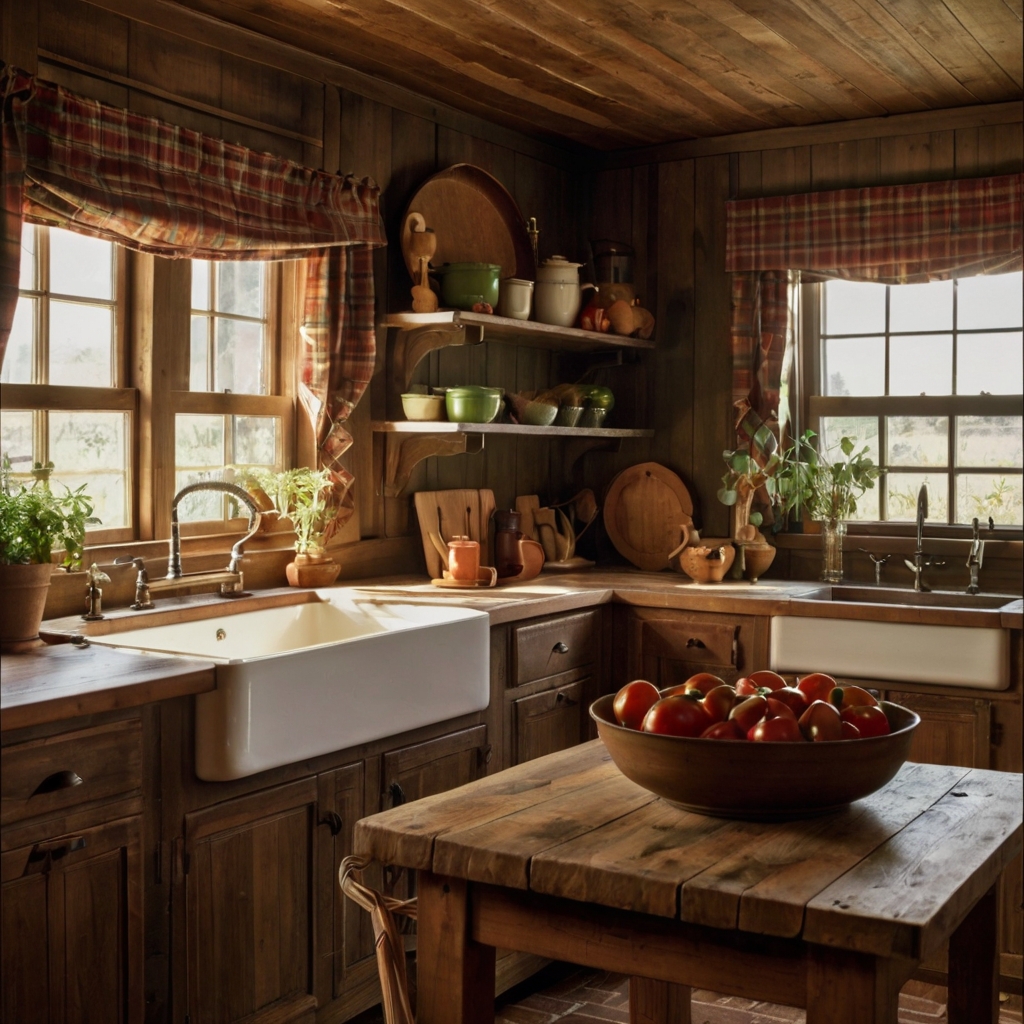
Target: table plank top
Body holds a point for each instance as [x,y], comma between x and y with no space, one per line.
[892,874]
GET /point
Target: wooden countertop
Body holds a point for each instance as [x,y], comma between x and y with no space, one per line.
[49,684]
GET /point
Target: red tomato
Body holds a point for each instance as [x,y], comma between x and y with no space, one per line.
[677,716]
[821,721]
[745,688]
[704,681]
[747,713]
[775,730]
[776,709]
[633,701]
[723,731]
[871,721]
[852,696]
[793,698]
[766,677]
[816,686]
[850,731]
[718,702]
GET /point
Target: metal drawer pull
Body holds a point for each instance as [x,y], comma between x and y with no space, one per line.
[44,854]
[398,796]
[333,820]
[694,642]
[560,648]
[565,700]
[58,780]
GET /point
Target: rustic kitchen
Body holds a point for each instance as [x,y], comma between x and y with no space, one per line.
[511,512]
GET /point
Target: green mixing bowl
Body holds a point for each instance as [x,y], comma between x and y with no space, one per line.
[463,285]
[472,403]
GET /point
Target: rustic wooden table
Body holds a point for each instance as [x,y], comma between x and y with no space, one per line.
[566,858]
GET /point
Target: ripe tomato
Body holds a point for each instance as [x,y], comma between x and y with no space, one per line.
[871,721]
[718,702]
[852,696]
[850,731]
[704,681]
[793,698]
[820,722]
[677,716]
[775,730]
[747,713]
[776,709]
[766,677]
[633,701]
[816,686]
[723,731]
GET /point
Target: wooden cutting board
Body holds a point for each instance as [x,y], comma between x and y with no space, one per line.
[643,510]
[454,509]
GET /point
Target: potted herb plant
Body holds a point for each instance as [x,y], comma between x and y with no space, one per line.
[33,522]
[305,496]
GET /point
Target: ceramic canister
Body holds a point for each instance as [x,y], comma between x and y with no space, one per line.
[516,298]
[557,295]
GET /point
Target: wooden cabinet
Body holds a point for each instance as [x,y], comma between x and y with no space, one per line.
[953,730]
[549,721]
[434,766]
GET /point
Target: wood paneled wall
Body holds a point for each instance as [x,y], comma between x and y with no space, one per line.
[677,206]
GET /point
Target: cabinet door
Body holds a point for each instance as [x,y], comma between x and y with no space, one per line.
[953,730]
[72,942]
[250,906]
[434,766]
[549,721]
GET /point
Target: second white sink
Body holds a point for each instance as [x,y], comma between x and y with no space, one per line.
[298,681]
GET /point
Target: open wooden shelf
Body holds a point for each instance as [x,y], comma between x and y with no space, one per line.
[409,442]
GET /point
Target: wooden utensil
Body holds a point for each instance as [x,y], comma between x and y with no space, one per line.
[419,243]
[642,511]
[544,519]
[444,514]
[526,505]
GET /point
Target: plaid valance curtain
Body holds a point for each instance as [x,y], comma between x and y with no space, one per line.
[79,164]
[893,234]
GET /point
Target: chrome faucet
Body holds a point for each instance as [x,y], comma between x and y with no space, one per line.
[977,553]
[921,560]
[229,580]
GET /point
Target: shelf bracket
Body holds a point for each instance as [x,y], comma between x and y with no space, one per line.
[404,452]
[414,344]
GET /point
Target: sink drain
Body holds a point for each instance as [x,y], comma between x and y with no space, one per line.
[221,634]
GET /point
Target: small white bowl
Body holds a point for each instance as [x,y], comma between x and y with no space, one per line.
[423,407]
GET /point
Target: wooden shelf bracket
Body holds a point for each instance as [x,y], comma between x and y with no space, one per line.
[412,345]
[405,451]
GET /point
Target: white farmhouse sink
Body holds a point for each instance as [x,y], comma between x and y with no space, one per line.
[896,652]
[304,680]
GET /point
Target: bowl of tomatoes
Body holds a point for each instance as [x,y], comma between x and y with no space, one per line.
[759,750]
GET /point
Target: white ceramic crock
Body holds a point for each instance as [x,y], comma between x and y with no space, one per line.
[557,295]
[516,298]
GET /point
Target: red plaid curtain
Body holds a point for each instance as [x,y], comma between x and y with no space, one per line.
[893,234]
[79,164]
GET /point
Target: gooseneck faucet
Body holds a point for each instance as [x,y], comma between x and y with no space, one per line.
[921,560]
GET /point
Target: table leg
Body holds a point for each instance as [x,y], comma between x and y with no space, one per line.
[851,988]
[454,974]
[974,966]
[658,1002]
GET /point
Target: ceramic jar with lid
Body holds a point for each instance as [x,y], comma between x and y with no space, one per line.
[556,298]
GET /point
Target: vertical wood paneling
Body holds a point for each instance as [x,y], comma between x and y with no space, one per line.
[991,149]
[910,158]
[785,170]
[844,164]
[79,31]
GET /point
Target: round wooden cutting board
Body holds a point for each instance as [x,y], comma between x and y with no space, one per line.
[643,510]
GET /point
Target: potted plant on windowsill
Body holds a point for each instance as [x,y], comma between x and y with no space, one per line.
[304,496]
[33,522]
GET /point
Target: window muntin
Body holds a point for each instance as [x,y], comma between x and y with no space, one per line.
[929,376]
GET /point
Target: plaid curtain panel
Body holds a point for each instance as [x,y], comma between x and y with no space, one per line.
[893,234]
[79,164]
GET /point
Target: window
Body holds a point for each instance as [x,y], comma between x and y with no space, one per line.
[929,376]
[64,400]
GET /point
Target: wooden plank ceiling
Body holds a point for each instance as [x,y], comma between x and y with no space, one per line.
[612,74]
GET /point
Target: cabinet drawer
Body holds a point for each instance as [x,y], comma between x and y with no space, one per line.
[546,648]
[703,644]
[39,777]
[548,721]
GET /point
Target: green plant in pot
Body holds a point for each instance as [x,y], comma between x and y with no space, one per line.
[305,496]
[34,522]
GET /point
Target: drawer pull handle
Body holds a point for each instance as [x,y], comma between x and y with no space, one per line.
[694,642]
[398,796]
[43,855]
[58,780]
[560,648]
[333,820]
[565,700]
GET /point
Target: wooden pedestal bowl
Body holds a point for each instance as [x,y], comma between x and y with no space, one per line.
[757,781]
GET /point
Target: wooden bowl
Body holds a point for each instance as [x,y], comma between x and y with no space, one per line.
[532,553]
[695,563]
[756,560]
[757,781]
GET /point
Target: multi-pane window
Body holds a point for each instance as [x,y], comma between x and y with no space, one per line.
[64,400]
[224,431]
[929,376]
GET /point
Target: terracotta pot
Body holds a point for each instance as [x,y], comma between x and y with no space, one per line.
[756,559]
[312,571]
[23,590]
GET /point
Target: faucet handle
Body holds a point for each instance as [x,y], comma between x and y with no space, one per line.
[97,575]
[134,560]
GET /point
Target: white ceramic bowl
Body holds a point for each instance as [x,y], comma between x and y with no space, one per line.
[423,407]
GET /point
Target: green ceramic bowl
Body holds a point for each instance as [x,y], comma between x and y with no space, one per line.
[463,285]
[472,404]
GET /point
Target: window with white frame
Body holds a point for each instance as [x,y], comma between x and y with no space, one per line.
[929,376]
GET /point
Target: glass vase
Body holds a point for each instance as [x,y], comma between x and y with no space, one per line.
[832,533]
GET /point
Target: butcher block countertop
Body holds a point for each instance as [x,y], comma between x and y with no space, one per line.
[52,683]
